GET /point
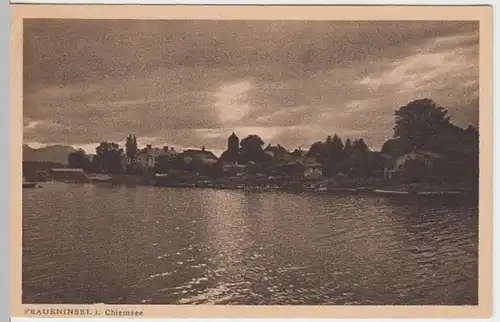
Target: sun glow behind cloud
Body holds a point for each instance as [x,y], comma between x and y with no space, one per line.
[230,102]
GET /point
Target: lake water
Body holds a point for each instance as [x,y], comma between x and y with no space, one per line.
[122,245]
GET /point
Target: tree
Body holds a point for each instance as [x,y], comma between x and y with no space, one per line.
[79,160]
[131,146]
[472,131]
[252,142]
[348,146]
[364,165]
[333,148]
[360,146]
[419,123]
[251,148]
[297,153]
[393,147]
[317,150]
[108,157]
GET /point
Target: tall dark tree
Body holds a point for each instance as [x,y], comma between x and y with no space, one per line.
[348,146]
[423,124]
[79,160]
[328,151]
[420,122]
[108,157]
[472,137]
[251,148]
[252,142]
[131,146]
[317,150]
[472,131]
[360,146]
[335,148]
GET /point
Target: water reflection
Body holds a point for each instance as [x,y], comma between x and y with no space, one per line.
[85,244]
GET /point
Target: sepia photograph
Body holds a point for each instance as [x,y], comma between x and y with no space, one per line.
[261,162]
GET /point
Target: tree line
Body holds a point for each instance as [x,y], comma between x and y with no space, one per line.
[419,125]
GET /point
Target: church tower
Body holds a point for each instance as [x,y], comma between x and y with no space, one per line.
[233,144]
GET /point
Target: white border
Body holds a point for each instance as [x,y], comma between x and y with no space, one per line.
[263,2]
[4,137]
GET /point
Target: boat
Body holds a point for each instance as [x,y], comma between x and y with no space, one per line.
[438,193]
[30,184]
[418,194]
[391,192]
[321,188]
[364,189]
[100,178]
[343,190]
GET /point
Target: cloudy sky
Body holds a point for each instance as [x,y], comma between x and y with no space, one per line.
[191,83]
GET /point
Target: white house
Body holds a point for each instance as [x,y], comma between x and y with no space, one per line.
[312,170]
[306,168]
[147,157]
[428,158]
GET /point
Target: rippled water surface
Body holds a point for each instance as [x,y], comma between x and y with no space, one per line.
[119,245]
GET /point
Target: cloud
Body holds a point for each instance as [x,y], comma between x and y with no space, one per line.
[446,70]
[229,102]
[192,83]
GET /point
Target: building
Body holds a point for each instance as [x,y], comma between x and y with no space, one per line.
[203,156]
[145,157]
[231,155]
[304,168]
[126,160]
[68,175]
[233,144]
[425,159]
[168,151]
[311,168]
[233,169]
[278,153]
[148,156]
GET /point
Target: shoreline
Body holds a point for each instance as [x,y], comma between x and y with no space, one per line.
[458,190]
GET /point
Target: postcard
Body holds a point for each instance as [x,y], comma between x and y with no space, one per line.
[251,161]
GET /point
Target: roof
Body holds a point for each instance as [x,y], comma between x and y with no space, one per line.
[415,155]
[299,153]
[202,154]
[307,162]
[420,153]
[276,150]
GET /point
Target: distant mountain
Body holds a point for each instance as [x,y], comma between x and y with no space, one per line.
[53,153]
